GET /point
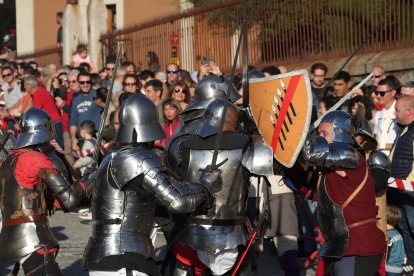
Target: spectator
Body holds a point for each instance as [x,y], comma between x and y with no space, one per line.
[379,74]
[44,100]
[395,255]
[360,102]
[362,91]
[64,105]
[153,90]
[145,76]
[82,56]
[12,94]
[83,108]
[181,94]
[172,70]
[153,62]
[129,67]
[87,132]
[130,83]
[402,161]
[385,127]
[326,103]
[109,69]
[407,88]
[171,110]
[318,73]
[108,132]
[270,71]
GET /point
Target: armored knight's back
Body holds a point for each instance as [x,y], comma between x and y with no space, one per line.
[122,217]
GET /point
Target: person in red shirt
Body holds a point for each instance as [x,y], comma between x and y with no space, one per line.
[25,175]
[346,199]
[43,99]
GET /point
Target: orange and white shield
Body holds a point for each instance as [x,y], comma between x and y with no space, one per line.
[282,107]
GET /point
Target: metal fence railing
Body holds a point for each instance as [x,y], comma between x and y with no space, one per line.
[280,31]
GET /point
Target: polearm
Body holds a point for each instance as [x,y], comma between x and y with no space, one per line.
[233,70]
[341,101]
[107,103]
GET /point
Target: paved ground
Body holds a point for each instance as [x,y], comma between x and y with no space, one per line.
[74,233]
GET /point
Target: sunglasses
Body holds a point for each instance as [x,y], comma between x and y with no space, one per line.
[74,81]
[112,69]
[7,75]
[381,93]
[172,71]
[85,82]
[130,83]
[62,80]
[180,90]
[376,76]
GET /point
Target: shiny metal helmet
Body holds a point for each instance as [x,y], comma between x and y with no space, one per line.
[365,130]
[379,160]
[343,128]
[209,89]
[213,115]
[36,127]
[138,121]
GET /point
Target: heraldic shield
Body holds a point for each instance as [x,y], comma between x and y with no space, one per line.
[281,105]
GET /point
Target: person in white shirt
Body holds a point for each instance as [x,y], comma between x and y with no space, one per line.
[385,124]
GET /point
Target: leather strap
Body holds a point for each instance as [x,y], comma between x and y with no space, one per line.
[357,190]
[362,222]
[26,219]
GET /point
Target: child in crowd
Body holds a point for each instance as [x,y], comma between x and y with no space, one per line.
[87,131]
[395,256]
[82,56]
[171,110]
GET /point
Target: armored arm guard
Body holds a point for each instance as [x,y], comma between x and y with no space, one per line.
[318,152]
[68,195]
[177,197]
[258,158]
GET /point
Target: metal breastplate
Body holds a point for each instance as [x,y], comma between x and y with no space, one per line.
[17,201]
[122,219]
[332,224]
[225,229]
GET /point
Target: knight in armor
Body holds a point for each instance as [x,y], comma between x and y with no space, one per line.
[354,245]
[130,182]
[26,174]
[212,245]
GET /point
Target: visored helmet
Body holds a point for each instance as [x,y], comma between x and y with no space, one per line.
[138,121]
[36,127]
[209,89]
[213,115]
[343,128]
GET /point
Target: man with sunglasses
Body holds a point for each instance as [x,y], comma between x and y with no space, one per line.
[109,69]
[12,93]
[379,74]
[172,74]
[385,125]
[83,108]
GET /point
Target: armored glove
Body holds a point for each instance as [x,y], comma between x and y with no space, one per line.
[88,180]
[315,150]
[210,178]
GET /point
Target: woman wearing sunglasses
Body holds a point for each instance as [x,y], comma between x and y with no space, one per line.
[130,83]
[181,94]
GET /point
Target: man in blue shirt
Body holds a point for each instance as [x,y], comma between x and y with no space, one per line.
[83,108]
